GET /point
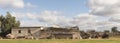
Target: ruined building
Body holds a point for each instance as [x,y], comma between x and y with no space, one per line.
[47,32]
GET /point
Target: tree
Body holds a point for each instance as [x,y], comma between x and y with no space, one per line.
[114,29]
[7,23]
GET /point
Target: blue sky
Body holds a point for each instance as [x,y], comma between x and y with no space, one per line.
[87,14]
[69,7]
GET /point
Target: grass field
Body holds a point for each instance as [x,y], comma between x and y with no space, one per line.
[62,41]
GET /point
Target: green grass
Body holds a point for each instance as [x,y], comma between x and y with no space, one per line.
[62,41]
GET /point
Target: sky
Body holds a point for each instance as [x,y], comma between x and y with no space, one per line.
[87,14]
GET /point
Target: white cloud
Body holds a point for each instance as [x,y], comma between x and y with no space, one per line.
[84,18]
[18,15]
[15,4]
[115,18]
[21,15]
[12,3]
[109,9]
[29,23]
[46,17]
[85,21]
[53,17]
[29,5]
[49,18]
[104,7]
